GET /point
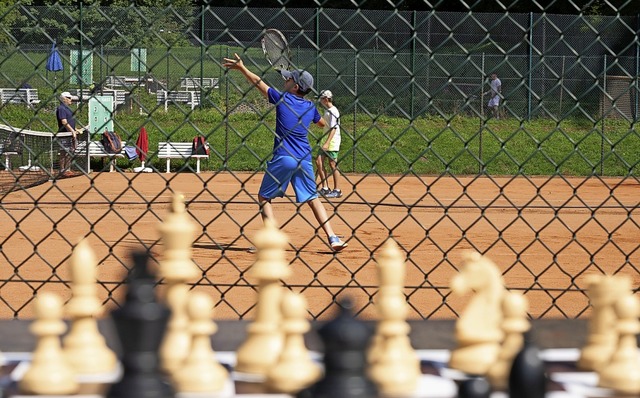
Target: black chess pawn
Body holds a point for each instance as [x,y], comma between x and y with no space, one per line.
[141,323]
[527,378]
[345,340]
[474,387]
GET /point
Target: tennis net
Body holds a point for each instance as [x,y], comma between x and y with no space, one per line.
[31,157]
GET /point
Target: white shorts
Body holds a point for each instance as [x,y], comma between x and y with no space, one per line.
[495,101]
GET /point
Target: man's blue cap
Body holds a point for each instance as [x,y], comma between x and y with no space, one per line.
[301,77]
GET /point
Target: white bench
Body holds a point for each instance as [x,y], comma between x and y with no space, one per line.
[27,96]
[178,150]
[127,82]
[7,163]
[119,96]
[116,81]
[96,150]
[196,83]
[191,98]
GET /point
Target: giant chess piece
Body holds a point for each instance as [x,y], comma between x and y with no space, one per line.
[141,323]
[176,269]
[622,373]
[474,387]
[84,346]
[346,340]
[393,364]
[295,368]
[527,378]
[262,348]
[201,372]
[478,330]
[603,291]
[514,325]
[49,372]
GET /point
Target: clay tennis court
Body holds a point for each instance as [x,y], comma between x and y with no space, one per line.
[544,233]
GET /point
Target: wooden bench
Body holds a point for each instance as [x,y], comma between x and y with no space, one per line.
[191,98]
[96,150]
[178,150]
[196,83]
[27,96]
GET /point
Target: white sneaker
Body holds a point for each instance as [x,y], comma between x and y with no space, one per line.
[337,244]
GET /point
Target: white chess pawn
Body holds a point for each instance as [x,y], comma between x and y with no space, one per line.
[622,373]
[84,346]
[201,372]
[295,369]
[49,372]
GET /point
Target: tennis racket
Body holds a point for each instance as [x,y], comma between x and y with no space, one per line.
[276,49]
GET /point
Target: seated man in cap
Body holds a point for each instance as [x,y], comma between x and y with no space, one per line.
[291,161]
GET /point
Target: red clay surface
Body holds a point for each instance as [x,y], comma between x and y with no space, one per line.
[544,234]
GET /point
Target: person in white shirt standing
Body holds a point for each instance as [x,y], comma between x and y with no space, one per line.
[330,148]
[495,94]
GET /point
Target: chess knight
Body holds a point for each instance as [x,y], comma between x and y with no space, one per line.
[478,330]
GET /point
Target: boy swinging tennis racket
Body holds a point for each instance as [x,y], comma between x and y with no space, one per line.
[291,161]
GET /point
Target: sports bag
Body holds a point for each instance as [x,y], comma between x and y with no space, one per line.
[199,146]
[111,142]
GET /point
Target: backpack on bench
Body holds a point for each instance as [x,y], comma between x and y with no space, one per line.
[199,146]
[111,142]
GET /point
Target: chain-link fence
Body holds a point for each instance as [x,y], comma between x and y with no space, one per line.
[424,160]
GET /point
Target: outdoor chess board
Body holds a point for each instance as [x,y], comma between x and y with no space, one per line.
[437,380]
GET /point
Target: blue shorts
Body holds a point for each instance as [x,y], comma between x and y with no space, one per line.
[282,170]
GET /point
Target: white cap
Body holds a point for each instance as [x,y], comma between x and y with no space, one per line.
[326,94]
[66,94]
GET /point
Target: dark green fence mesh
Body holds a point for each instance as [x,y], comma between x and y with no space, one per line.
[558,169]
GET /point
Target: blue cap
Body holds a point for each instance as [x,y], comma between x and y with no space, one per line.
[301,77]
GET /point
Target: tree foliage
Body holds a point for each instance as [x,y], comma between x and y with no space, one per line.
[606,7]
[166,23]
[119,25]
[11,16]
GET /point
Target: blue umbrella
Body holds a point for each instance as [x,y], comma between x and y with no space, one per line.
[54,62]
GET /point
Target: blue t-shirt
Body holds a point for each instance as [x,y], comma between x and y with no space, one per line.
[63,112]
[293,116]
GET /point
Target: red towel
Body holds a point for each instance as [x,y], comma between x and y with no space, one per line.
[142,144]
